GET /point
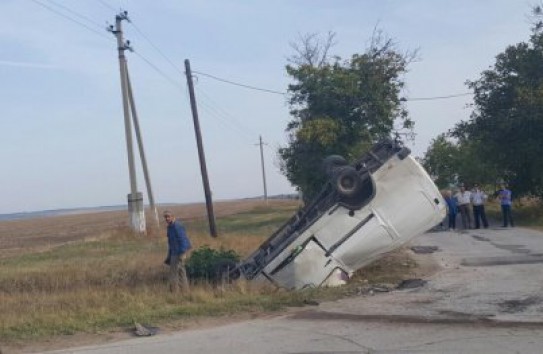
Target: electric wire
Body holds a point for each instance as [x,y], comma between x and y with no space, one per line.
[211,107]
[157,48]
[214,109]
[240,84]
[251,87]
[206,111]
[203,105]
[107,5]
[439,97]
[157,69]
[225,124]
[49,8]
[81,16]
[220,111]
[285,93]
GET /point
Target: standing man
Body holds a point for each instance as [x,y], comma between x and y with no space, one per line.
[505,196]
[452,209]
[478,199]
[178,245]
[463,197]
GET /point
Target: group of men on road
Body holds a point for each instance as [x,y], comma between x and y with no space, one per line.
[472,202]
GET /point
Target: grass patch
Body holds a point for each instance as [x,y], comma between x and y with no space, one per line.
[107,284]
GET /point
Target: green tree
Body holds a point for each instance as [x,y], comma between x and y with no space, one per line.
[507,121]
[340,106]
[441,161]
[452,161]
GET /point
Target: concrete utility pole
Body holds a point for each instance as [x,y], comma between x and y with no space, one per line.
[203,168]
[263,170]
[142,153]
[135,198]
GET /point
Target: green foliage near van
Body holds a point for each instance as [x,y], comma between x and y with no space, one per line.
[207,264]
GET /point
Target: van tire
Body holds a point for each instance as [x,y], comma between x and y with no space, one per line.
[347,182]
[403,153]
[331,164]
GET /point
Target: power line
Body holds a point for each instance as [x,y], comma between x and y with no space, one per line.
[107,5]
[164,56]
[71,19]
[438,97]
[284,93]
[157,49]
[221,116]
[220,111]
[240,84]
[176,84]
[211,107]
[81,16]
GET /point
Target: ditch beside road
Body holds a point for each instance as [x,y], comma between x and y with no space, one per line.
[487,298]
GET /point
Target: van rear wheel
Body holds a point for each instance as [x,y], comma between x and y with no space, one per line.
[348,182]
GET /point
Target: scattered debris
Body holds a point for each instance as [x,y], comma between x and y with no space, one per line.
[371,289]
[380,289]
[500,260]
[311,302]
[411,284]
[480,238]
[144,331]
[512,306]
[424,249]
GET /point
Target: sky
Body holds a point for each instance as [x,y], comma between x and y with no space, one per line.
[62,137]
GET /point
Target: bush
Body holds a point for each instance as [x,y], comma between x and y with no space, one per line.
[209,264]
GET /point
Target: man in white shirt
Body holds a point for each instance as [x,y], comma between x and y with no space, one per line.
[478,199]
[464,200]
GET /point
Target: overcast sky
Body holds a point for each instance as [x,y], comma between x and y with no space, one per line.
[61,119]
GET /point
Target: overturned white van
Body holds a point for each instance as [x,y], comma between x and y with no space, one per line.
[366,209]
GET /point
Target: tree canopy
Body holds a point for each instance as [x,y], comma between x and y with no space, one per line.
[340,106]
[504,132]
[451,163]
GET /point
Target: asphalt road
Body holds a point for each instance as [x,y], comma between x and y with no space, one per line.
[487,298]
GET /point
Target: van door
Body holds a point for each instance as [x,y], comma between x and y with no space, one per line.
[306,266]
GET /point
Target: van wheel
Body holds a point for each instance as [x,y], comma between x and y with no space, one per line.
[348,182]
[403,153]
[331,163]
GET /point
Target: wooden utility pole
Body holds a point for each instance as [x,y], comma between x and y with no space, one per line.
[201,155]
[263,170]
[135,198]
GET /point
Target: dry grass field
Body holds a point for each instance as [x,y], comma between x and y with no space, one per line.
[86,275]
[38,234]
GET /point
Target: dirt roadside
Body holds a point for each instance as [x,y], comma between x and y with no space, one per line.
[425,267]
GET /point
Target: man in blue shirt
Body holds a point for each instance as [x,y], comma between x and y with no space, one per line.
[505,197]
[178,245]
[452,209]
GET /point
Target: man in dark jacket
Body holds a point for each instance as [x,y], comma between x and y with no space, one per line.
[178,245]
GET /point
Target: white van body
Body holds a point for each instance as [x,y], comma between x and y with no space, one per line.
[402,202]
